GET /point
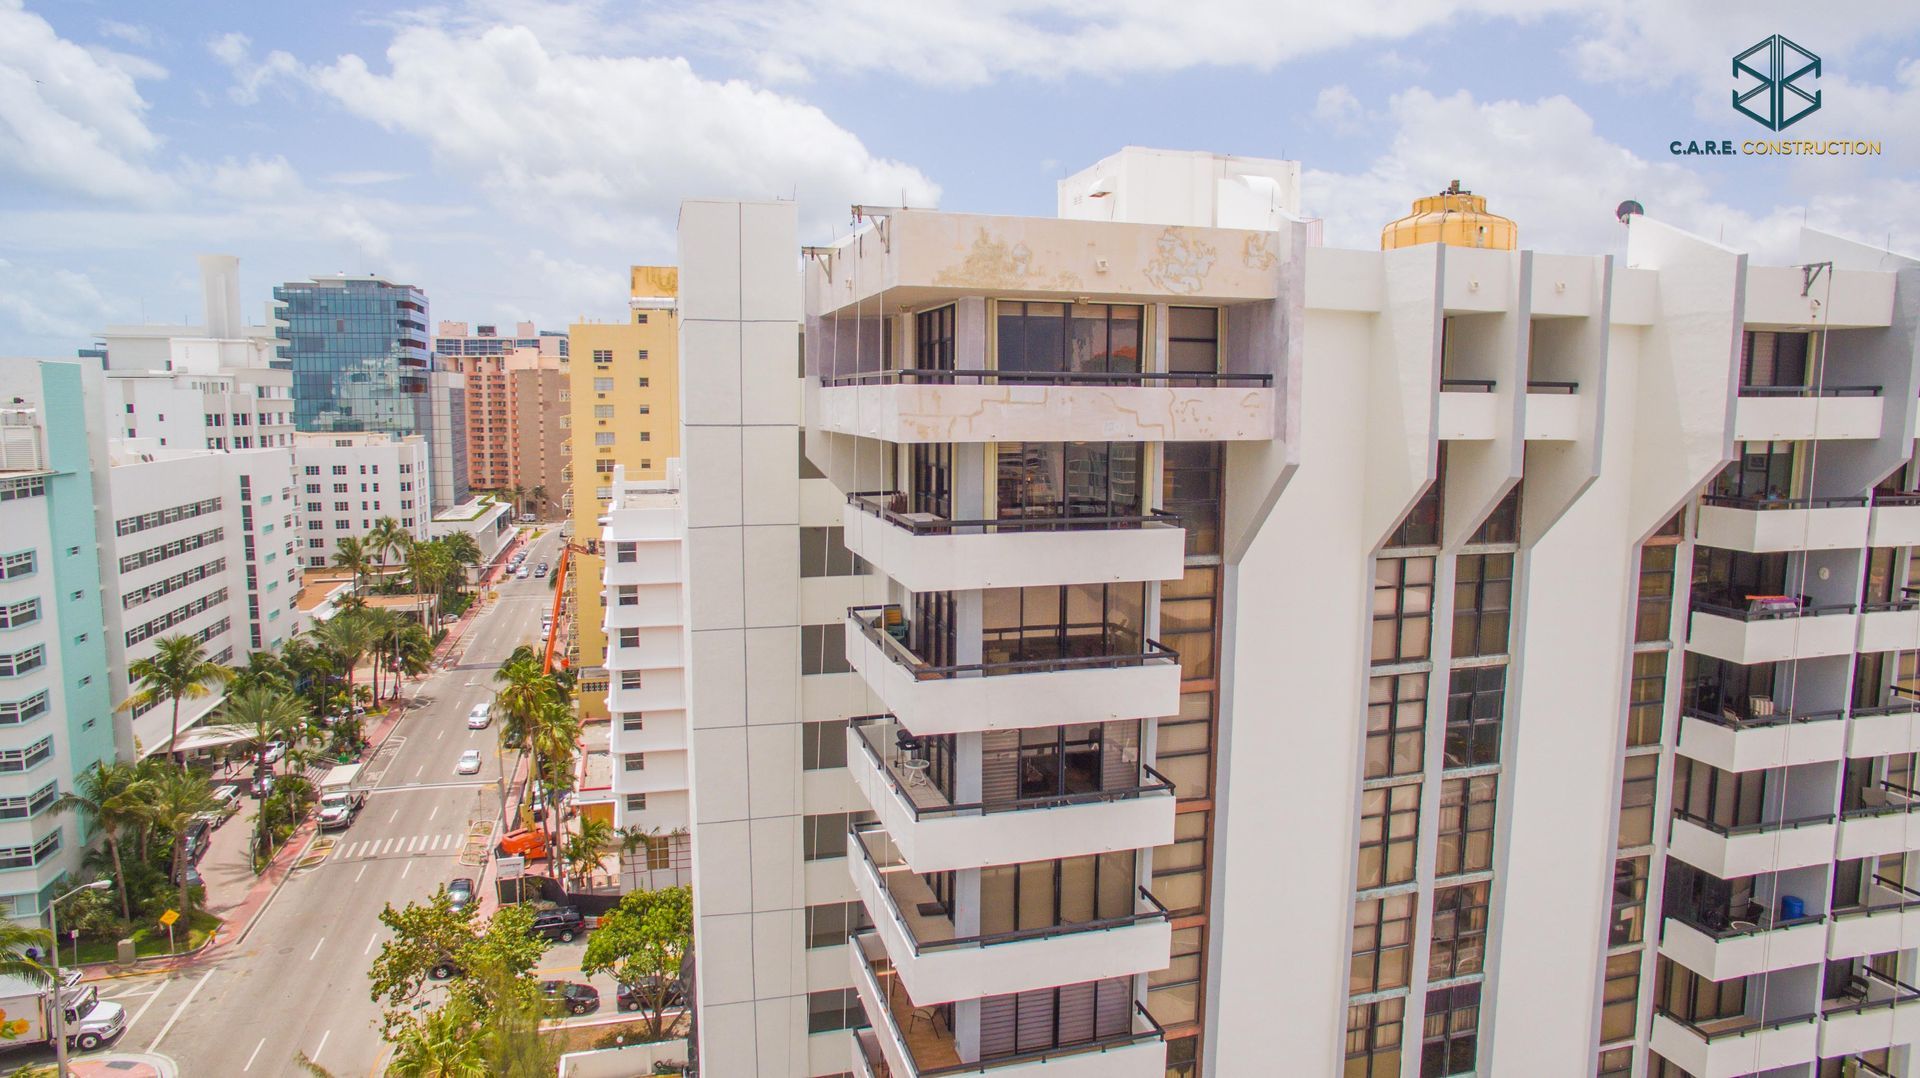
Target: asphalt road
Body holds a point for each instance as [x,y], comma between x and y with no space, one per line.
[298,981]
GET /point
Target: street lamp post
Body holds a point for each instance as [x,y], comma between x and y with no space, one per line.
[59,1020]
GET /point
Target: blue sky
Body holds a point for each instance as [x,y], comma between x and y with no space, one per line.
[513,156]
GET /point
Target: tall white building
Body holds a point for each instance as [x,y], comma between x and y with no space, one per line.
[346,481]
[1270,658]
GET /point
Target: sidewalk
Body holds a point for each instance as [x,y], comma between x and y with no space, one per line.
[124,1065]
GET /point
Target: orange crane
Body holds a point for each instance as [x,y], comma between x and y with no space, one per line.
[559,596]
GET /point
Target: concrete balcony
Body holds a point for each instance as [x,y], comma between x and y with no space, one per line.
[1106,675]
[1553,411]
[1895,520]
[1743,949]
[915,406]
[934,835]
[1891,626]
[1769,525]
[1889,920]
[926,553]
[1751,849]
[1762,634]
[937,964]
[1886,730]
[869,1058]
[1468,411]
[916,1041]
[1888,823]
[1800,413]
[1734,744]
[1729,1047]
[1888,1016]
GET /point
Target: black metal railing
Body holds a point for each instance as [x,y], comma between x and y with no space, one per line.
[1157,784]
[885,504]
[1804,610]
[1155,911]
[1909,899]
[1748,722]
[1897,707]
[1902,993]
[1544,385]
[1152,652]
[1749,501]
[1751,1025]
[1466,385]
[1754,828]
[917,376]
[1896,497]
[1730,927]
[1886,808]
[1809,391]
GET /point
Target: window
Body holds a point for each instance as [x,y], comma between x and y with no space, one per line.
[646,436]
[340,469]
[30,487]
[1503,524]
[1653,617]
[629,638]
[824,837]
[1629,924]
[823,648]
[1193,340]
[1647,698]
[1459,945]
[31,756]
[1373,1038]
[1382,944]
[634,761]
[1449,1041]
[28,856]
[603,355]
[25,612]
[1389,832]
[1186,620]
[933,339]
[1466,824]
[836,1008]
[823,552]
[1636,800]
[16,565]
[1068,338]
[1476,699]
[830,925]
[25,808]
[603,385]
[20,662]
[636,802]
[630,679]
[1615,1063]
[1421,525]
[1402,609]
[1396,724]
[643,382]
[1173,993]
[823,745]
[1190,489]
[1620,999]
[1482,601]
[632,720]
[1179,869]
[14,712]
[1183,751]
[603,437]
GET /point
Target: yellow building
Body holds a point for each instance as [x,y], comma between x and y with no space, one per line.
[625,410]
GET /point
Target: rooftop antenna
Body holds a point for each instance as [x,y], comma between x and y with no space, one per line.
[1627,210]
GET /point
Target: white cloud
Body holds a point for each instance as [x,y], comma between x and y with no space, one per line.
[1338,109]
[363,177]
[60,303]
[72,118]
[132,34]
[605,147]
[1656,43]
[250,76]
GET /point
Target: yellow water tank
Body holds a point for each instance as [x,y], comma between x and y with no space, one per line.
[1453,217]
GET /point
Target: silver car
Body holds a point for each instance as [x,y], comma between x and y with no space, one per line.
[469,763]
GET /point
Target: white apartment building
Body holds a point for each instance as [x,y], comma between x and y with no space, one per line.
[346,481]
[645,780]
[1425,661]
[490,523]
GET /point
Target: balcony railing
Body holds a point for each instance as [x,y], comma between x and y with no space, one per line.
[1771,608]
[1910,899]
[1902,992]
[923,928]
[890,506]
[1467,385]
[871,620]
[1726,925]
[1897,707]
[1538,385]
[1896,497]
[1809,391]
[917,376]
[1712,1029]
[1765,502]
[1892,801]
[1755,828]
[1749,722]
[926,801]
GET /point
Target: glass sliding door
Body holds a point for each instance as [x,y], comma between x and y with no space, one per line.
[1061,338]
[1068,479]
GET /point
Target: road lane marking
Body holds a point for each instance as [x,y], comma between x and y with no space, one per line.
[256,1053]
[316,949]
[368,949]
[180,1010]
[418,770]
[396,814]
[150,1001]
[363,871]
[439,734]
[321,1047]
[408,867]
[435,812]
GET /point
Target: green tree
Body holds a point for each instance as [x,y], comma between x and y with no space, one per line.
[386,539]
[539,498]
[179,796]
[428,566]
[433,936]
[177,670]
[441,1044]
[412,652]
[462,551]
[352,555]
[346,637]
[642,943]
[584,848]
[15,939]
[265,669]
[111,797]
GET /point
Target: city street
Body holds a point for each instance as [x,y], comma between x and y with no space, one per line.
[298,981]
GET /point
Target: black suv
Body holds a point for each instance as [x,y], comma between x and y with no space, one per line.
[569,996]
[562,923]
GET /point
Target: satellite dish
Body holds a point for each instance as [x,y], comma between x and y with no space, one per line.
[1627,209]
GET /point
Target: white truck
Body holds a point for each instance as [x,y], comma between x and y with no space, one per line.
[340,797]
[25,1017]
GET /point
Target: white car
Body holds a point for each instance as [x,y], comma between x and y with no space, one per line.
[480,716]
[522,574]
[469,763]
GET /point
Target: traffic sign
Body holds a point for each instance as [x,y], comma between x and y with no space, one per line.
[511,868]
[169,917]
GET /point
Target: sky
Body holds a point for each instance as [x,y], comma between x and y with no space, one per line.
[513,157]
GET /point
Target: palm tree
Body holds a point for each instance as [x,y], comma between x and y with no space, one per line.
[585,846]
[384,629]
[347,637]
[428,564]
[539,498]
[15,938]
[351,554]
[111,797]
[268,715]
[523,688]
[461,550]
[516,494]
[177,670]
[441,1045]
[412,653]
[554,735]
[387,537]
[310,664]
[178,797]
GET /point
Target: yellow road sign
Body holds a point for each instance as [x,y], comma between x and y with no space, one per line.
[169,917]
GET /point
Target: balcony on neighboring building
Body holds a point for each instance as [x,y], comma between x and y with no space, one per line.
[1762,737]
[1553,410]
[1803,413]
[1878,820]
[1735,1045]
[1886,919]
[1467,411]
[1890,625]
[1026,679]
[1746,848]
[1771,628]
[869,1059]
[1763,525]
[1877,1011]
[1060,805]
[916,406]
[1094,1030]
[1889,729]
[1126,931]
[1727,928]
[1072,544]
[1895,519]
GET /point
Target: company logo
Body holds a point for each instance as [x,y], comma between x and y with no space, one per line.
[1776,100]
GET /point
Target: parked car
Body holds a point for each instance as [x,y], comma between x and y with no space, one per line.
[528,842]
[190,876]
[570,996]
[263,784]
[526,518]
[460,892]
[227,797]
[522,574]
[276,751]
[199,832]
[562,923]
[480,716]
[633,997]
[469,763]
[540,569]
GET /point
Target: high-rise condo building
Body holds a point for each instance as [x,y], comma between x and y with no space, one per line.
[1185,648]
[517,409]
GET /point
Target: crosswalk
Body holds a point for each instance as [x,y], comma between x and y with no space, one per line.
[448,842]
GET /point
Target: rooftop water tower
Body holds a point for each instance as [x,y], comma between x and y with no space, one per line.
[1454,217]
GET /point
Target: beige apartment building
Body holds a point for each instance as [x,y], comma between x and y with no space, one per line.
[516,409]
[625,401]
